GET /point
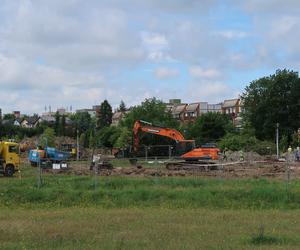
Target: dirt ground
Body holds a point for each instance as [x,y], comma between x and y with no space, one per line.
[230,170]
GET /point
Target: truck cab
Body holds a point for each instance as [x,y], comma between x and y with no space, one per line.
[9,158]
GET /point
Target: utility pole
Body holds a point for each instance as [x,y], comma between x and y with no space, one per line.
[77,142]
[277,140]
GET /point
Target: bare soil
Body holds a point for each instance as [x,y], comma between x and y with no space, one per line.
[231,170]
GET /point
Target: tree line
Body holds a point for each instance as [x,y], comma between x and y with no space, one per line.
[267,101]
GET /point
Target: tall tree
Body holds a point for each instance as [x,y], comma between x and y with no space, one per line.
[105,118]
[62,125]
[122,107]
[48,138]
[154,111]
[56,124]
[273,99]
[82,121]
[151,110]
[8,117]
[209,127]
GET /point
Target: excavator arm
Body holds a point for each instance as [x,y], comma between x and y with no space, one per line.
[146,127]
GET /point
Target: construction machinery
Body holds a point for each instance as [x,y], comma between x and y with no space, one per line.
[69,147]
[47,156]
[190,154]
[9,157]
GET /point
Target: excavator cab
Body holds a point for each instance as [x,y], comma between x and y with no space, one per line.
[184,146]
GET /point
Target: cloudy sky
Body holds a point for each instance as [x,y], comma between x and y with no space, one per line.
[79,52]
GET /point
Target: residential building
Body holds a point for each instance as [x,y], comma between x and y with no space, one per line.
[97,109]
[50,119]
[91,112]
[192,111]
[31,122]
[17,114]
[172,103]
[214,108]
[17,122]
[232,107]
[203,108]
[117,117]
[178,111]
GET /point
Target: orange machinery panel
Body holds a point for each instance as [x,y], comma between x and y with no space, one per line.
[199,153]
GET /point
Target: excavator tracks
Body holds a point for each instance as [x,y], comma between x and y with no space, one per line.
[192,165]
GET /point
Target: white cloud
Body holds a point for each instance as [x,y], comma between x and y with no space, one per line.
[164,73]
[78,52]
[157,46]
[232,34]
[268,7]
[199,72]
[94,38]
[209,91]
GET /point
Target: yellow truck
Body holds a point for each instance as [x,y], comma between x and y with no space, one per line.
[9,158]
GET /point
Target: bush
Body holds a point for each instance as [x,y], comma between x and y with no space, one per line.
[236,142]
[265,147]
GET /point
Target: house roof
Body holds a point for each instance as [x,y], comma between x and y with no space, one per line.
[192,107]
[178,109]
[19,120]
[33,119]
[215,106]
[117,115]
[48,118]
[230,103]
[69,121]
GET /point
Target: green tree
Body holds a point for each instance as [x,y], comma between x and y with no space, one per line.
[210,127]
[107,136]
[48,138]
[151,110]
[91,140]
[105,118]
[82,121]
[57,123]
[122,107]
[273,99]
[123,139]
[62,126]
[154,111]
[8,117]
[82,140]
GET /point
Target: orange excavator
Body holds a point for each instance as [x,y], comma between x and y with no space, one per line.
[192,154]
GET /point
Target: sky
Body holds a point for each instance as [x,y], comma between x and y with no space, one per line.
[78,53]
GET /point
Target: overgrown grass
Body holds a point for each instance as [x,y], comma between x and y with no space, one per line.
[147,228]
[84,212]
[126,192]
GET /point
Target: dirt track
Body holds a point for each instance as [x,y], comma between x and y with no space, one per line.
[258,169]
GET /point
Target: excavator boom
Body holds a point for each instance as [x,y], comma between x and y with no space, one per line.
[142,126]
[191,154]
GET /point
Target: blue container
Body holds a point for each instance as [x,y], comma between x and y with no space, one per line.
[33,156]
[55,155]
[51,154]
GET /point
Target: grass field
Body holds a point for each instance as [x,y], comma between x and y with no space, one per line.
[150,228]
[82,212]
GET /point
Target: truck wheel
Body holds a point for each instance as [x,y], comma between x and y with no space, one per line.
[9,171]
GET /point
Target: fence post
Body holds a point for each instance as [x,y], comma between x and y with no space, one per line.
[146,153]
[39,180]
